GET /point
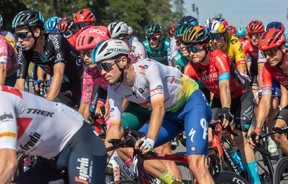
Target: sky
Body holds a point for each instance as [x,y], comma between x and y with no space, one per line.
[240,12]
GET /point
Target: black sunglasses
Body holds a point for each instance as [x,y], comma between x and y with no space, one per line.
[21,35]
[216,36]
[81,25]
[271,52]
[106,66]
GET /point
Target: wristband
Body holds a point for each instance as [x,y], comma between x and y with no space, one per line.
[258,130]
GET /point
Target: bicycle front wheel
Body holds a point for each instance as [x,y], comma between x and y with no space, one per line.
[186,173]
[228,177]
[281,171]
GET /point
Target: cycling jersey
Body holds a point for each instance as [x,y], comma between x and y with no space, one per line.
[7,56]
[163,54]
[137,48]
[57,49]
[235,51]
[11,39]
[173,47]
[154,81]
[269,73]
[219,63]
[179,61]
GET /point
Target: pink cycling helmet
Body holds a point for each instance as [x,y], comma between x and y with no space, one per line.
[91,37]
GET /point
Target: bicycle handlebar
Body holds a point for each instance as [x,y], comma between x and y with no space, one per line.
[228,128]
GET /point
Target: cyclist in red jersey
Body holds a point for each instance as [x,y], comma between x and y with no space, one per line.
[231,91]
[66,26]
[272,43]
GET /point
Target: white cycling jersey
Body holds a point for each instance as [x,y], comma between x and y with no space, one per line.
[137,48]
[154,81]
[34,125]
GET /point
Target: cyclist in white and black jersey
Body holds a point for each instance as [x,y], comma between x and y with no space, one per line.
[35,126]
[52,52]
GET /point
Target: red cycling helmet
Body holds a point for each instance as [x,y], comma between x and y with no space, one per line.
[66,24]
[255,26]
[172,29]
[84,16]
[91,37]
[231,30]
[271,38]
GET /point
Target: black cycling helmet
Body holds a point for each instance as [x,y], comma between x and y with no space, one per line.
[153,29]
[196,35]
[28,18]
[188,20]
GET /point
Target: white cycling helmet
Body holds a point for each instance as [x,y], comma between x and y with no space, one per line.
[1,21]
[109,49]
[118,29]
[130,30]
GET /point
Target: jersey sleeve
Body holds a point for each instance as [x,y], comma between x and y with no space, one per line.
[115,107]
[266,81]
[87,87]
[60,44]
[222,63]
[3,51]
[23,64]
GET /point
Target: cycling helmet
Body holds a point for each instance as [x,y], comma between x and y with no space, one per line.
[51,25]
[172,29]
[84,16]
[286,44]
[153,29]
[217,26]
[1,21]
[66,24]
[181,29]
[28,18]
[196,35]
[130,30]
[231,30]
[209,21]
[255,26]
[91,37]
[271,38]
[118,29]
[188,20]
[241,31]
[109,49]
[276,25]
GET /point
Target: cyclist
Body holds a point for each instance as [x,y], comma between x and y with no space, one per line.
[66,27]
[9,37]
[35,126]
[272,43]
[52,52]
[165,90]
[231,91]
[241,34]
[92,79]
[231,30]
[174,47]
[83,18]
[51,24]
[157,48]
[230,44]
[8,63]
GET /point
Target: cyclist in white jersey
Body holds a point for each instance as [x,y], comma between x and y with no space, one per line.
[172,96]
[35,126]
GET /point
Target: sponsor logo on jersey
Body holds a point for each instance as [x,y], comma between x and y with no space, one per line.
[6,117]
[34,138]
[40,112]
[55,42]
[85,171]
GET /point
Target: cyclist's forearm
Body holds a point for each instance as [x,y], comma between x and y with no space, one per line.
[225,95]
[155,123]
[263,111]
[8,165]
[55,87]
[2,75]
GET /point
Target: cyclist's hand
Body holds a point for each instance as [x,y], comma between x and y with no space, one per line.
[254,137]
[145,144]
[38,84]
[225,116]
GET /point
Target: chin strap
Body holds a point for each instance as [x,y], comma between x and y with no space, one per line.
[34,46]
[120,79]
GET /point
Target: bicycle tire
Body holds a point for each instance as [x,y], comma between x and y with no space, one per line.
[213,161]
[186,173]
[229,177]
[280,168]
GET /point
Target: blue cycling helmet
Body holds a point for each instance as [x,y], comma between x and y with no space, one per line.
[286,44]
[51,25]
[1,21]
[240,31]
[28,18]
[276,25]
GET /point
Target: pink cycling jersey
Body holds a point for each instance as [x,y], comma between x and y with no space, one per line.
[7,56]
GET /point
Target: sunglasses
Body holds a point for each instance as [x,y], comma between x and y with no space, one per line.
[67,33]
[81,25]
[216,36]
[271,52]
[194,49]
[86,52]
[153,38]
[256,35]
[105,66]
[21,35]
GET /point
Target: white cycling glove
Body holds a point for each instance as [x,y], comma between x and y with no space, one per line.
[147,143]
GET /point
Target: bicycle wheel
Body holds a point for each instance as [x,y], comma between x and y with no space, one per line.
[229,177]
[213,161]
[186,173]
[281,171]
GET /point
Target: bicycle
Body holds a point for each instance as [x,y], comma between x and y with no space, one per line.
[142,177]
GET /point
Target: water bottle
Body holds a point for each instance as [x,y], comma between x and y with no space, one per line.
[236,158]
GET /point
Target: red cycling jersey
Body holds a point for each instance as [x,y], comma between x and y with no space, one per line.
[209,74]
[250,50]
[269,73]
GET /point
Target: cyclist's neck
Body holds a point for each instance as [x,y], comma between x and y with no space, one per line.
[40,45]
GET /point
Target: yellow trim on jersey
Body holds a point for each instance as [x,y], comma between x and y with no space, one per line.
[8,134]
